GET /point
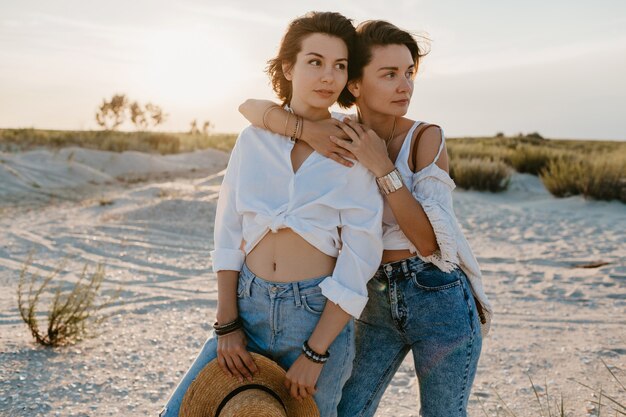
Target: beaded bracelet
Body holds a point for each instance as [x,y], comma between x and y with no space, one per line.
[313,355]
[227,328]
[293,136]
[299,134]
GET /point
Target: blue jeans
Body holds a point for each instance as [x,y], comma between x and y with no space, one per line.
[414,306]
[277,319]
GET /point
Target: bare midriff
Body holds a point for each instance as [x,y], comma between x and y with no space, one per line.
[284,256]
[396,255]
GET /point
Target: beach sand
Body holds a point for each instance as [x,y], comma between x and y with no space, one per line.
[149,220]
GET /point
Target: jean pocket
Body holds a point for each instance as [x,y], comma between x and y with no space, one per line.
[243,284]
[314,302]
[432,278]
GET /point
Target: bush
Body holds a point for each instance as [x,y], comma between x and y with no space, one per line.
[563,177]
[607,178]
[601,178]
[534,135]
[480,174]
[72,315]
[531,159]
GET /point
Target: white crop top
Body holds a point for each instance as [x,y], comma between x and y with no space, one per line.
[260,194]
[432,187]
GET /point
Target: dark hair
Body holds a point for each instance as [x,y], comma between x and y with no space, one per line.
[329,23]
[373,33]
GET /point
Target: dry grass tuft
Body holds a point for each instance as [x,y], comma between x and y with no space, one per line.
[531,159]
[480,174]
[602,177]
[72,315]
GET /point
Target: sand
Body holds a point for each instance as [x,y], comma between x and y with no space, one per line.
[148,219]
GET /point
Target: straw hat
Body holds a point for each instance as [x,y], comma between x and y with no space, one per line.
[213,394]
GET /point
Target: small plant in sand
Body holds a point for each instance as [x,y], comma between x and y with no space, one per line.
[611,403]
[73,313]
[548,407]
[551,406]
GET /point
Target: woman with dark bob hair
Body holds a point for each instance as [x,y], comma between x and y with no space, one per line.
[297,236]
[427,296]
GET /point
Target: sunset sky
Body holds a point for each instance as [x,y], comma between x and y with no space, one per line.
[557,67]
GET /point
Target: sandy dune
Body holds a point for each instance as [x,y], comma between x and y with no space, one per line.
[554,320]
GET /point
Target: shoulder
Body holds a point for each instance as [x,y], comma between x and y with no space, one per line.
[428,131]
[250,131]
[428,139]
[255,136]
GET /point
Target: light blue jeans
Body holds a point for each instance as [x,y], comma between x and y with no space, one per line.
[414,306]
[277,319]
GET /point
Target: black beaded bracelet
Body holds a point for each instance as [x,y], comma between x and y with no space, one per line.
[313,355]
[227,328]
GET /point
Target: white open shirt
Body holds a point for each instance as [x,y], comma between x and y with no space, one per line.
[261,194]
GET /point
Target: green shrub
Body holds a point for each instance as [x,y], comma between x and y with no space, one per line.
[602,177]
[480,174]
[72,314]
[531,159]
[562,178]
[607,178]
[534,135]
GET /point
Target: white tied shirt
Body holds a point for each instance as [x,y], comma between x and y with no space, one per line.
[432,187]
[261,194]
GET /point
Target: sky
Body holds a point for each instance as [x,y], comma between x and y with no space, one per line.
[555,67]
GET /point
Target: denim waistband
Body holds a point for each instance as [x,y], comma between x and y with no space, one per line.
[282,289]
[401,269]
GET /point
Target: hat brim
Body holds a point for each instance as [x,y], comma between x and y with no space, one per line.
[208,391]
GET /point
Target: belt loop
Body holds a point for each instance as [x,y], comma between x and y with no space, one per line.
[405,268]
[388,269]
[296,293]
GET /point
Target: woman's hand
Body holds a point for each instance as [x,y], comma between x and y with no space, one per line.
[317,135]
[302,377]
[233,357]
[366,146]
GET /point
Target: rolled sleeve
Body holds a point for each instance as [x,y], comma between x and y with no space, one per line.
[227,259]
[361,250]
[228,232]
[350,301]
